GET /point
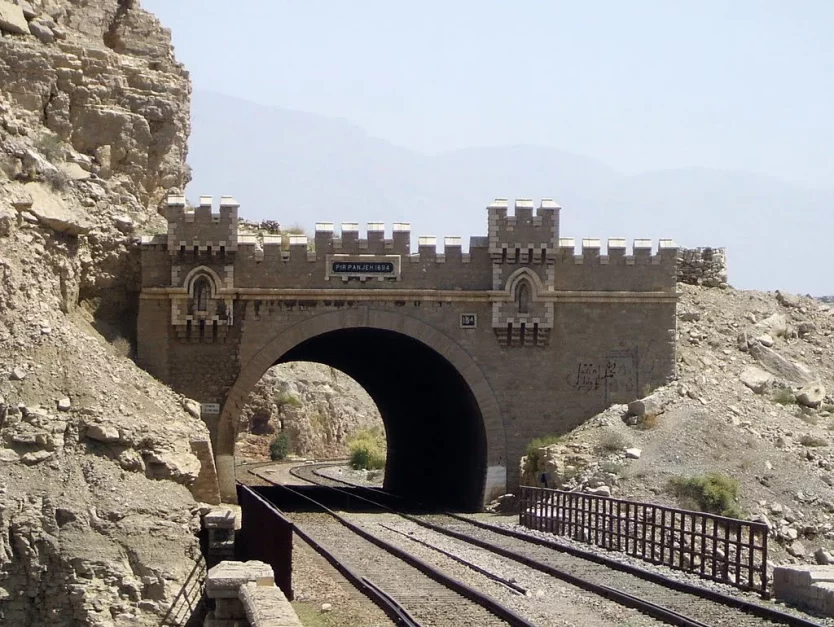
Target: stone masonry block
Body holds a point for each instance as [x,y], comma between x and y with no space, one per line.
[267,607]
[224,579]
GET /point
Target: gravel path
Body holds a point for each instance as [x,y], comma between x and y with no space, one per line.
[548,601]
[697,608]
[429,602]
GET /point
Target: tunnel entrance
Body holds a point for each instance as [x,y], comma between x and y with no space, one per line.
[435,432]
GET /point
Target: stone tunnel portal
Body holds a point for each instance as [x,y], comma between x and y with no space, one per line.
[437,449]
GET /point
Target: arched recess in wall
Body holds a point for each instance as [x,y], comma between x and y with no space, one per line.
[524,279]
[199,275]
[265,356]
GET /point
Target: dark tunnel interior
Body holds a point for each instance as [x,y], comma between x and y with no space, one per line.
[435,433]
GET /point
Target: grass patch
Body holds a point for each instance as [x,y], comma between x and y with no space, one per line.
[713,492]
[613,468]
[784,396]
[532,452]
[367,449]
[280,446]
[813,441]
[285,399]
[50,146]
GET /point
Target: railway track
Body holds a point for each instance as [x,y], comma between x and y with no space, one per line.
[667,600]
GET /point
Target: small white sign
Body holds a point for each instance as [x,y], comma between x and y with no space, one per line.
[468,321]
[210,408]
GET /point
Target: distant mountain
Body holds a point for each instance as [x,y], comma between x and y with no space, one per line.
[301,168]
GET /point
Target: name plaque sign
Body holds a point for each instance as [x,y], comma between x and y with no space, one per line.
[363,267]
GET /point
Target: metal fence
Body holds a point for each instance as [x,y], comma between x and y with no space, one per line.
[715,547]
[265,535]
[189,607]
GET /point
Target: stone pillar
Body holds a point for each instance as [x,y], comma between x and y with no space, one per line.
[221,524]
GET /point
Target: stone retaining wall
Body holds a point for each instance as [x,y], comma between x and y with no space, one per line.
[811,587]
[703,266]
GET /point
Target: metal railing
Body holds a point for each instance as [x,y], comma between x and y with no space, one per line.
[715,547]
[189,607]
[265,535]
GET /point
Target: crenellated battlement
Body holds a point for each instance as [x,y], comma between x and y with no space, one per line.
[617,252]
[523,233]
[201,229]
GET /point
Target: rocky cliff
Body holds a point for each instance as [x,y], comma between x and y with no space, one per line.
[98,461]
[317,406]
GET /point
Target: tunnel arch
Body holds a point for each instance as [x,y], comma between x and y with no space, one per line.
[408,331]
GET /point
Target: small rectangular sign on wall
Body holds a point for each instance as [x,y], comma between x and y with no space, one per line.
[211,409]
[468,321]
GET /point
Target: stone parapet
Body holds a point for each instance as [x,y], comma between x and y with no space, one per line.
[702,266]
[811,587]
[245,595]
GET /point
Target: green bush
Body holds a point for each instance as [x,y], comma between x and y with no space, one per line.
[367,449]
[280,446]
[532,448]
[712,492]
[285,399]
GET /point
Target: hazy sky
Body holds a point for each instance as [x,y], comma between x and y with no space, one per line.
[641,85]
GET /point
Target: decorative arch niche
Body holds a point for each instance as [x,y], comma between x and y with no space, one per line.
[524,318]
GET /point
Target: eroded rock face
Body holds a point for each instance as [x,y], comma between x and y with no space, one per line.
[100,465]
[101,75]
[318,407]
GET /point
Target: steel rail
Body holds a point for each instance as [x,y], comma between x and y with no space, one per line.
[728,600]
[477,597]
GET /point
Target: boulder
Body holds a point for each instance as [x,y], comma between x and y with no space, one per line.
[6,221]
[28,10]
[756,379]
[102,433]
[633,453]
[781,367]
[42,32]
[765,340]
[51,211]
[74,171]
[602,490]
[192,407]
[788,300]
[823,556]
[12,19]
[64,404]
[124,224]
[811,395]
[648,406]
[18,374]
[775,325]
[796,548]
[7,455]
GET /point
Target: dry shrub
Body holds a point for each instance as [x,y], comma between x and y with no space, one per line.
[613,441]
[649,421]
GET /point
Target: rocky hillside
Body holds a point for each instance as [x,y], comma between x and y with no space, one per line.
[317,406]
[97,460]
[754,402]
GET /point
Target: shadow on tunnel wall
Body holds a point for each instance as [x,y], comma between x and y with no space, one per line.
[435,432]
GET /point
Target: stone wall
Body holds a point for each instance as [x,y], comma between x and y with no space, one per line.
[703,266]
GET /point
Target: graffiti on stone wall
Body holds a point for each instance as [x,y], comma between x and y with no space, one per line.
[614,376]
